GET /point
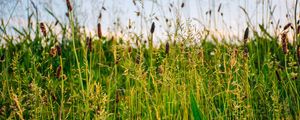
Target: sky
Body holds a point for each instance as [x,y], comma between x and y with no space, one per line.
[124,12]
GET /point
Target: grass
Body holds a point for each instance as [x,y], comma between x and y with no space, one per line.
[108,78]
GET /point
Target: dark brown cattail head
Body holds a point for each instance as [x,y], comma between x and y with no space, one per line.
[99,30]
[287,26]
[284,42]
[43,29]
[69,5]
[182,5]
[246,35]
[58,48]
[58,71]
[152,28]
[167,48]
[89,43]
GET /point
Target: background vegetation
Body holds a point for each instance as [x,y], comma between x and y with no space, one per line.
[76,75]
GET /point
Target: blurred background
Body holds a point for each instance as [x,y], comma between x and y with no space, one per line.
[224,18]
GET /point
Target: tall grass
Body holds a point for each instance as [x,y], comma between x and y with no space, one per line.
[95,77]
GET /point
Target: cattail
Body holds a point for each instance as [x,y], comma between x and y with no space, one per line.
[43,29]
[99,30]
[58,48]
[287,26]
[284,42]
[58,71]
[152,28]
[167,48]
[246,35]
[69,5]
[89,43]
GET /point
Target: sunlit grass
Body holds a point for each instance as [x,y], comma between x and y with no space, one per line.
[95,77]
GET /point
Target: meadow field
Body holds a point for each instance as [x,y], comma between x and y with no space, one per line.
[73,74]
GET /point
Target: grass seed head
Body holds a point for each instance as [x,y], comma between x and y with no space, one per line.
[58,71]
[287,26]
[246,35]
[53,51]
[99,30]
[152,28]
[167,48]
[69,5]
[58,48]
[89,43]
[43,29]
[298,30]
[284,42]
[246,52]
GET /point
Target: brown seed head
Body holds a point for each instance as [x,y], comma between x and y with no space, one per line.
[53,51]
[58,48]
[246,52]
[287,26]
[43,29]
[298,30]
[152,28]
[58,71]
[69,5]
[284,42]
[246,35]
[89,43]
[167,48]
[99,30]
